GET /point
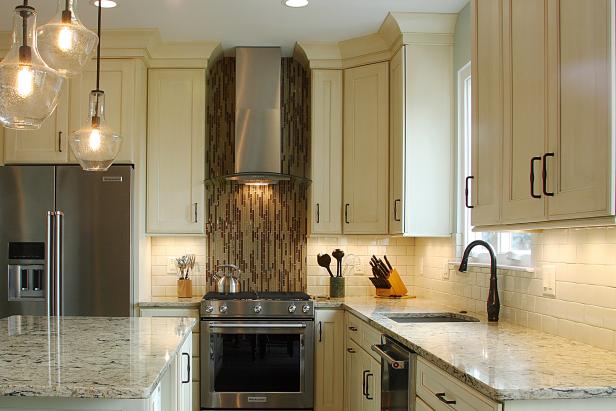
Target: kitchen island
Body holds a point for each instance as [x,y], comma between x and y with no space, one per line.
[94,363]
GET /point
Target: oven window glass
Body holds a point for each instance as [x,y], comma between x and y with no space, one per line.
[256,362]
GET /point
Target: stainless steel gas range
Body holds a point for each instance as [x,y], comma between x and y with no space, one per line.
[257,351]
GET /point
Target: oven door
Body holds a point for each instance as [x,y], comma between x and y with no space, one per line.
[257,364]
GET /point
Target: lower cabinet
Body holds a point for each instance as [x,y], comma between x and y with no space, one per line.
[188,398]
[362,389]
[328,361]
[422,406]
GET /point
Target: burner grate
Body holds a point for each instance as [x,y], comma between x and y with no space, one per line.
[275,296]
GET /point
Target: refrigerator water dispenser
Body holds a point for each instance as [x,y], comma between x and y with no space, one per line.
[26,272]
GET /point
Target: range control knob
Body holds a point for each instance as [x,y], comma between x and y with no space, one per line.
[257,309]
[209,309]
[223,309]
[306,308]
[292,308]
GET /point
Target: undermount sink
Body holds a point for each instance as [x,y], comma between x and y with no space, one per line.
[405,318]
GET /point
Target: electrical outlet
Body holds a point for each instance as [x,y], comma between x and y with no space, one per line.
[446,271]
[549,280]
[171,269]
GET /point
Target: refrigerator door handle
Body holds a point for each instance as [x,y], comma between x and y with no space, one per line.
[49,261]
[58,261]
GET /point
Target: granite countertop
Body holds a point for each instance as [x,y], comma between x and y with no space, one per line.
[87,357]
[501,360]
[171,302]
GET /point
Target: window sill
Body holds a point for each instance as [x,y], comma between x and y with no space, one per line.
[500,266]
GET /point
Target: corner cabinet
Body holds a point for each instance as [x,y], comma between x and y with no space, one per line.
[366,149]
[543,103]
[329,364]
[176,151]
[326,156]
[421,138]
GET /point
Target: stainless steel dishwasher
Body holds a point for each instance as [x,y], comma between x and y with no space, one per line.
[397,376]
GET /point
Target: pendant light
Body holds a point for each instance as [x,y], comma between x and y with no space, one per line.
[29,89]
[96,145]
[64,42]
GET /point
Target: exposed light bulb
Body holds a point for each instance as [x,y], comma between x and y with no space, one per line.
[25,82]
[95,140]
[65,39]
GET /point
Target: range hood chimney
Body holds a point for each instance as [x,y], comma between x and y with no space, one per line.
[258,142]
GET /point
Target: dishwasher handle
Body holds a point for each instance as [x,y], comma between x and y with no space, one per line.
[395,363]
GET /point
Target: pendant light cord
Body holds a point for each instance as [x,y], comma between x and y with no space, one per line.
[98,47]
[24,26]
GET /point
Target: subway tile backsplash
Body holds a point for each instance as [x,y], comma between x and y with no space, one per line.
[584,261]
[399,251]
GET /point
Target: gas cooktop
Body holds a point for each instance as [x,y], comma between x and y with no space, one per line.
[249,295]
[257,305]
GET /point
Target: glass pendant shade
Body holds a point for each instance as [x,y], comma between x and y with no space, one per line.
[29,89]
[65,43]
[96,145]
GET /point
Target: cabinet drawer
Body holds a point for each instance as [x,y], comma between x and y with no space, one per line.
[420,405]
[363,334]
[432,381]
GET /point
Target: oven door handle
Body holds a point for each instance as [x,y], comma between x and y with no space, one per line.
[269,325]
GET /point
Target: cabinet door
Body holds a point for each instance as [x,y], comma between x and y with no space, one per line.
[118,81]
[326,156]
[420,405]
[487,108]
[372,399]
[185,376]
[47,145]
[397,139]
[525,109]
[354,377]
[366,149]
[175,151]
[329,361]
[580,173]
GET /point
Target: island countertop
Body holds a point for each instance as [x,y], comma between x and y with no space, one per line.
[87,357]
[501,360]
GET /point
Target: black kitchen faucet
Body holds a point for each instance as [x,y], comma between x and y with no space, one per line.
[493,301]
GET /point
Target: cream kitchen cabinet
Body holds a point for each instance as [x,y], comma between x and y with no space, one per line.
[329,363]
[326,156]
[363,380]
[47,145]
[483,187]
[176,151]
[550,108]
[421,135]
[366,149]
[186,392]
[124,84]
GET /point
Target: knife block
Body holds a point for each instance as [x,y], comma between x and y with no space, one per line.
[398,289]
[184,288]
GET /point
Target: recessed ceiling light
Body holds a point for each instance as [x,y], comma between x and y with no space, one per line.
[295,3]
[106,4]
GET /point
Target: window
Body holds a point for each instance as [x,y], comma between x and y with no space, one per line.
[512,248]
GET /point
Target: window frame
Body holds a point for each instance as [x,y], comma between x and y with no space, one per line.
[505,254]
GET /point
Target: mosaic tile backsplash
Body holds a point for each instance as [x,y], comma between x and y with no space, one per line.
[260,229]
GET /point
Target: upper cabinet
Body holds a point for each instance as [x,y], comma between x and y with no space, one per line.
[47,145]
[545,92]
[176,151]
[123,81]
[366,149]
[325,215]
[421,133]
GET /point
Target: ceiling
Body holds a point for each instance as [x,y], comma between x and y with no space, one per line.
[245,22]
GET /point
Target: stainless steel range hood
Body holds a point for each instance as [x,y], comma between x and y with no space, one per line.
[258,143]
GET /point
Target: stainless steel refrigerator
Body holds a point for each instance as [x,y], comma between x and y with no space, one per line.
[65,241]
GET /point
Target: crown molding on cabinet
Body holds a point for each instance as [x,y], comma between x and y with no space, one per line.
[397,30]
[148,45]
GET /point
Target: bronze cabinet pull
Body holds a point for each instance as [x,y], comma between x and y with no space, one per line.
[532,177]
